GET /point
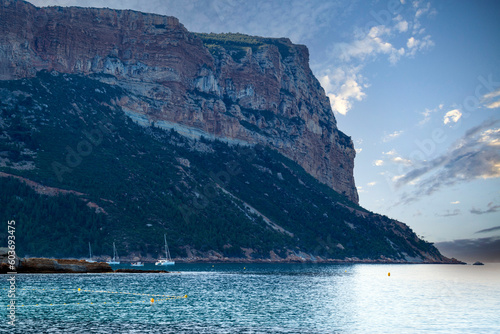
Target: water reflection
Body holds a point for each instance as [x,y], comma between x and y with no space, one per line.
[267,299]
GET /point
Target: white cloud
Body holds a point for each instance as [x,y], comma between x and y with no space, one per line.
[456,202]
[493,105]
[400,160]
[342,86]
[492,94]
[427,114]
[402,26]
[422,10]
[491,137]
[392,136]
[396,178]
[411,42]
[357,144]
[414,45]
[369,45]
[394,158]
[452,116]
[487,99]
[364,46]
[394,57]
[371,184]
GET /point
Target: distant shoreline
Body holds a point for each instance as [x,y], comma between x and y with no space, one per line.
[306,261]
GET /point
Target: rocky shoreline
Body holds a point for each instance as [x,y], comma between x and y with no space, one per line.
[46,265]
[66,266]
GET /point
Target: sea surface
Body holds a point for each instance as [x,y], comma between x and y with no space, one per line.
[260,298]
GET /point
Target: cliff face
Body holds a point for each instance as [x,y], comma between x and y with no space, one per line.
[233,87]
[69,150]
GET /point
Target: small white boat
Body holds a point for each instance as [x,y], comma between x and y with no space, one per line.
[167,261]
[164,262]
[90,255]
[137,264]
[115,259]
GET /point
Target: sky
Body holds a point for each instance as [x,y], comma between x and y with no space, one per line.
[416,84]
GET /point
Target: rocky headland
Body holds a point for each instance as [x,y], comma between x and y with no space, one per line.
[135,127]
[235,87]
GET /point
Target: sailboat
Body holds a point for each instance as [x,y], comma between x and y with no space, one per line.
[90,255]
[115,259]
[167,261]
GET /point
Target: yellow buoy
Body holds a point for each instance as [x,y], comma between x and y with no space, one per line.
[152,300]
[185,296]
[79,289]
[388,274]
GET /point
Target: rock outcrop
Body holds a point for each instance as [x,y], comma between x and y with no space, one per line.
[44,265]
[5,264]
[233,87]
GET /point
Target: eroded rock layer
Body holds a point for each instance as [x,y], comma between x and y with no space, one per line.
[235,87]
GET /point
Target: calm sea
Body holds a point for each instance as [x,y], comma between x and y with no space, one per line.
[261,298]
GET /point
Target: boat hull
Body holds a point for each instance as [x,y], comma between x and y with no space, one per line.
[137,264]
[164,263]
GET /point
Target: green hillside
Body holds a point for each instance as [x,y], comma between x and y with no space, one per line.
[66,132]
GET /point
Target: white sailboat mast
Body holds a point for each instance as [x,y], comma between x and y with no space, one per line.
[167,251]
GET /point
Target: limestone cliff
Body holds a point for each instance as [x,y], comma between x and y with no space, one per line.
[233,87]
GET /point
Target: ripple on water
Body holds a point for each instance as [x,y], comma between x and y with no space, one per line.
[263,299]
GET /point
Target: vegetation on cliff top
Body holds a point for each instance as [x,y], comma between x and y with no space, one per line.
[238,44]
